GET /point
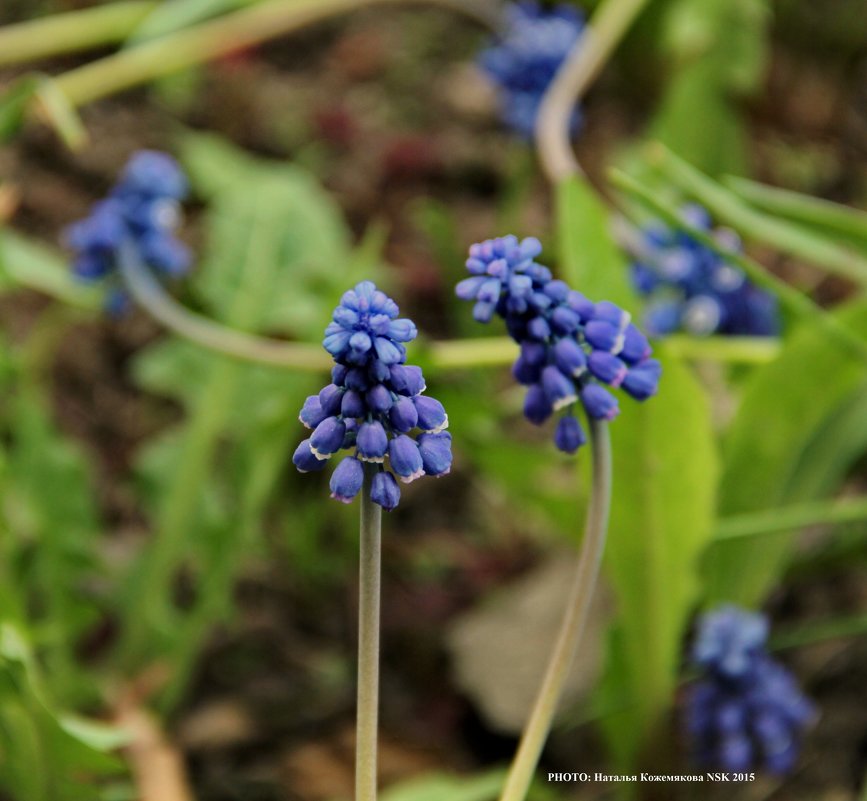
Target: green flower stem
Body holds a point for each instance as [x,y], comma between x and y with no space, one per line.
[72,31]
[607,27]
[457,354]
[773,521]
[735,350]
[231,32]
[813,211]
[150,295]
[798,303]
[539,724]
[730,209]
[370,552]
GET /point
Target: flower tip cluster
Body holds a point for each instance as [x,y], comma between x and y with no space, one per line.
[571,348]
[692,288]
[527,56]
[141,212]
[746,708]
[374,405]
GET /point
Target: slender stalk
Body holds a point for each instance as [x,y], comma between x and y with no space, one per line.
[369,579]
[587,58]
[732,350]
[150,295]
[457,354]
[244,28]
[774,521]
[72,31]
[539,724]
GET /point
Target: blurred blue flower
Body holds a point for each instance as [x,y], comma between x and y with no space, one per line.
[692,288]
[534,44]
[570,346]
[747,709]
[141,213]
[373,404]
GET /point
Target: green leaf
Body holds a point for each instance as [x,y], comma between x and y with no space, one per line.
[784,408]
[42,757]
[665,475]
[590,260]
[719,50]
[443,787]
[13,105]
[176,14]
[27,263]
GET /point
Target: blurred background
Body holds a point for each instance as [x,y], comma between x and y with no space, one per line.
[370,145]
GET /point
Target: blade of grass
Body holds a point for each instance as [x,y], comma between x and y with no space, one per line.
[728,208]
[791,298]
[842,220]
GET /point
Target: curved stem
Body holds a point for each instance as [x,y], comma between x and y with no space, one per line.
[226,34]
[588,56]
[150,295]
[539,724]
[368,643]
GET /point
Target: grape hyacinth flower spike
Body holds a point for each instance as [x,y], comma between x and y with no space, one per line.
[375,409]
[747,709]
[374,406]
[524,61]
[136,221]
[692,288]
[572,350]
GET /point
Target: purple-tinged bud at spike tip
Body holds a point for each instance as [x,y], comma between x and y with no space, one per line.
[385,490]
[405,459]
[347,479]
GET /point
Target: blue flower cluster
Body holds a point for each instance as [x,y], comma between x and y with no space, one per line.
[692,288]
[747,708]
[569,345]
[142,212]
[534,44]
[374,405]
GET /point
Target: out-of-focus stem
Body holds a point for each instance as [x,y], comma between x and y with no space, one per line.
[536,732]
[231,32]
[72,31]
[600,37]
[150,295]
[367,713]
